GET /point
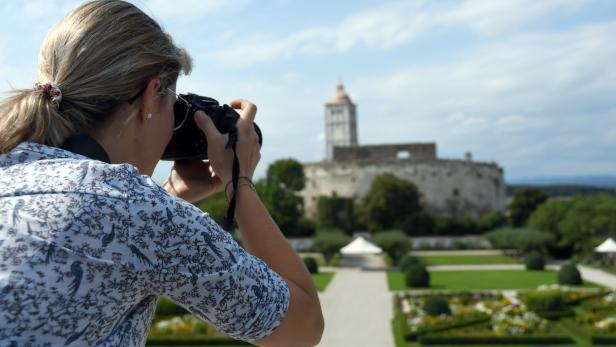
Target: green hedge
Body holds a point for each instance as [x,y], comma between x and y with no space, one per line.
[494,340]
[413,336]
[603,339]
[175,341]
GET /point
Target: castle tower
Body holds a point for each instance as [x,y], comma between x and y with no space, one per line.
[340,122]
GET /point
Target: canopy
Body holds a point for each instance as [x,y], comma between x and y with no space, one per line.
[360,246]
[608,246]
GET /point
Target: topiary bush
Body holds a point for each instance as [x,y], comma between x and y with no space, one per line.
[569,274]
[417,276]
[544,300]
[535,261]
[407,261]
[436,306]
[311,265]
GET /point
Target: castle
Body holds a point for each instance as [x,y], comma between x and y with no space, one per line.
[454,188]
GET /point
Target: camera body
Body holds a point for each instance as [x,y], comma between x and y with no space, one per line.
[189,142]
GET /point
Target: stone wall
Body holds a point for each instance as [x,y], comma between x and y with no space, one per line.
[385,152]
[453,188]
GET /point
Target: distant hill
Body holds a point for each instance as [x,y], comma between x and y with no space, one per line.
[564,190]
[601,181]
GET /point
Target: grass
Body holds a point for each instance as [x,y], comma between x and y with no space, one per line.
[482,280]
[322,279]
[468,259]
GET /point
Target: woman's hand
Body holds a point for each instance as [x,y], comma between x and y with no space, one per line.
[192,180]
[247,147]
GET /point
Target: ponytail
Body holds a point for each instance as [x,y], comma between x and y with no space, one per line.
[30,115]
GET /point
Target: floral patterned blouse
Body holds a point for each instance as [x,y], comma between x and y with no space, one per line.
[87,248]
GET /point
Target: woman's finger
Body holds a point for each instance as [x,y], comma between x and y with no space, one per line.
[249,110]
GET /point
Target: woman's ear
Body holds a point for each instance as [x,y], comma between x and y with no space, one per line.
[149,99]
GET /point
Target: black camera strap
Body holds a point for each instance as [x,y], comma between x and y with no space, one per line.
[235,176]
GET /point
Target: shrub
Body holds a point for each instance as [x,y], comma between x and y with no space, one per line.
[417,276]
[329,242]
[395,243]
[535,261]
[311,265]
[523,240]
[544,300]
[408,261]
[437,305]
[569,274]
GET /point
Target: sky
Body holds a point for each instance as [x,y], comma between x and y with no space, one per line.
[529,85]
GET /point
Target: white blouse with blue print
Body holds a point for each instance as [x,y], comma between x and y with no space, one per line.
[87,247]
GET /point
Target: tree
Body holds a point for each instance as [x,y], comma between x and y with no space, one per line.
[329,242]
[389,201]
[335,212]
[548,217]
[578,224]
[279,191]
[491,220]
[525,201]
[216,205]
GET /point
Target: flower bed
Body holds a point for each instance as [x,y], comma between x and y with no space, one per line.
[488,318]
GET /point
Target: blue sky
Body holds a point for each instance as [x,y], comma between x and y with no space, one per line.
[530,85]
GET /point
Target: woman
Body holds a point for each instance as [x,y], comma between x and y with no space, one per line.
[88,242]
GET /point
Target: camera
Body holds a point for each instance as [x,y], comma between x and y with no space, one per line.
[188,141]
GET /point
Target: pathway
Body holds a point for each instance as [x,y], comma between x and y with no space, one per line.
[357,305]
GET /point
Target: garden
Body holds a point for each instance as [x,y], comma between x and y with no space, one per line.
[548,315]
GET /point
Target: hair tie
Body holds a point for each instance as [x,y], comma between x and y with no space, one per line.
[50,89]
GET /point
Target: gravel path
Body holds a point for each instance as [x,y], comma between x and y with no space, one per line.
[357,306]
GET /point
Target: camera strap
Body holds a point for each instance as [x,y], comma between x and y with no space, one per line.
[235,176]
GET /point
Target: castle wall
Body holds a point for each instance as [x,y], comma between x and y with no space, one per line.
[385,152]
[454,188]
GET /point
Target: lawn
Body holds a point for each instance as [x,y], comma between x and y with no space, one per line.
[482,280]
[322,279]
[467,259]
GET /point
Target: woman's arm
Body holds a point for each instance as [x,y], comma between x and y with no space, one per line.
[303,325]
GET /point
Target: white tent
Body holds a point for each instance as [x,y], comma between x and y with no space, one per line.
[608,246]
[360,246]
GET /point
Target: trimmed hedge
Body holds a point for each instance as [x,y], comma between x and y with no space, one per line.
[417,276]
[494,340]
[603,339]
[408,261]
[437,305]
[413,336]
[311,265]
[535,261]
[569,274]
[188,341]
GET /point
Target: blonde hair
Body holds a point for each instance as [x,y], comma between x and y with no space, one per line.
[100,55]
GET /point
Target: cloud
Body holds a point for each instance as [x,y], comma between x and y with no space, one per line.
[516,100]
[495,17]
[392,25]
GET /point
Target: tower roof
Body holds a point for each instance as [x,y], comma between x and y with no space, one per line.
[341,97]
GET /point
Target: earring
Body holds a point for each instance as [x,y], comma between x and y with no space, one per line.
[150,115]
